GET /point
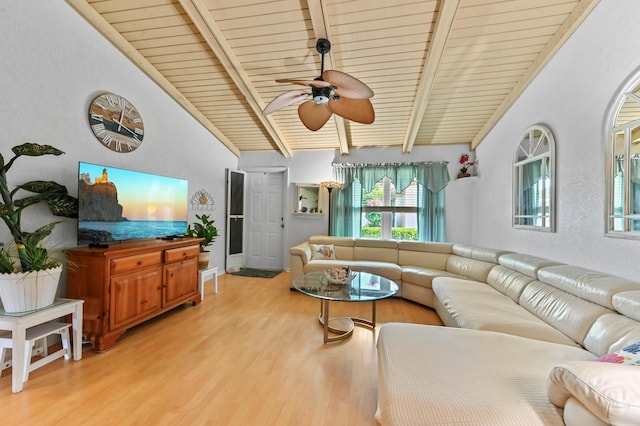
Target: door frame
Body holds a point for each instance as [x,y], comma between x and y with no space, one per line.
[285,202]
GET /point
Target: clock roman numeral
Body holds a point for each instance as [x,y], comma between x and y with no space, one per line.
[138,131]
[111,100]
[99,129]
[106,139]
[100,105]
[118,145]
[122,103]
[137,119]
[96,117]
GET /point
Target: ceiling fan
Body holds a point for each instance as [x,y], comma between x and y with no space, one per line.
[332,92]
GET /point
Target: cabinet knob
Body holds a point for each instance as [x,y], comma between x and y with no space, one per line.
[139,262]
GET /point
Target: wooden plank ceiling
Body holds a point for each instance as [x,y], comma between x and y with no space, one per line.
[443,71]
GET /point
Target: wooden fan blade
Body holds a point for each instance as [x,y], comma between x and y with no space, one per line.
[347,86]
[287,98]
[314,115]
[311,83]
[359,110]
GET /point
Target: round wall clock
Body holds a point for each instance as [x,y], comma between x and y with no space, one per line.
[116,123]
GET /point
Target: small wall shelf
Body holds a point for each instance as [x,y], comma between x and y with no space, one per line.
[308,215]
[307,199]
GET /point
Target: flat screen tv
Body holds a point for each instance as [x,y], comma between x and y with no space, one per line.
[117,204]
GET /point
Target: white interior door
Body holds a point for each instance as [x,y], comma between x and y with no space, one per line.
[265,220]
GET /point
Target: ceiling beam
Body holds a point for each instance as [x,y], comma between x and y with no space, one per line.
[211,33]
[85,10]
[441,32]
[320,24]
[579,13]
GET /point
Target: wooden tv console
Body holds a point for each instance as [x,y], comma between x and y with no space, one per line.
[128,283]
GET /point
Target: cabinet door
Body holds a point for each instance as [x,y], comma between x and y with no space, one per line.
[134,296]
[181,281]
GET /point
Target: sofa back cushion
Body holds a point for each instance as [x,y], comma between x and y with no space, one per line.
[343,246]
[475,269]
[570,314]
[596,287]
[508,282]
[425,255]
[479,253]
[610,333]
[628,303]
[525,264]
[376,250]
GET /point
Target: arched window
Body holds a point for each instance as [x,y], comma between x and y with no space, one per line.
[623,163]
[534,180]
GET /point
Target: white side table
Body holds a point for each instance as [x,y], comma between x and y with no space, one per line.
[19,322]
[206,274]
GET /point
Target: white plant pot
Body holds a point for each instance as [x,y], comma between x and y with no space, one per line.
[203,259]
[28,291]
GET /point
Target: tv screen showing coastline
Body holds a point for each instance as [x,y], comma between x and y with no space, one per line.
[117,204]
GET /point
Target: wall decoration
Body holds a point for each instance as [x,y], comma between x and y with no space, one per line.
[202,200]
[116,123]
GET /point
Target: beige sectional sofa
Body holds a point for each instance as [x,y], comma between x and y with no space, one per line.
[522,341]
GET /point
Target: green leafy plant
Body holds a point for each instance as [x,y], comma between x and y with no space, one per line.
[410,234]
[27,246]
[205,229]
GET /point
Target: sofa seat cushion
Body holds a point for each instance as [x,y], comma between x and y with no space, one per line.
[386,270]
[479,306]
[429,375]
[423,276]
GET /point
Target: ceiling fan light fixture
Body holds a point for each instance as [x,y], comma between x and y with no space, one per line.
[321,95]
[332,92]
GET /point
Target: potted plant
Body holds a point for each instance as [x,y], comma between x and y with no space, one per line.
[465,163]
[208,232]
[29,274]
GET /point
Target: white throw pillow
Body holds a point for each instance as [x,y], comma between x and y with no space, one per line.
[628,355]
[322,251]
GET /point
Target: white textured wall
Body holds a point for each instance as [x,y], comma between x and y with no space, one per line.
[53,64]
[571,96]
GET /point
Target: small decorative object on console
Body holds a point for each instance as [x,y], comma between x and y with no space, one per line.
[339,275]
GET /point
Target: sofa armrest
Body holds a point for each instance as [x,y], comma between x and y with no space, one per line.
[610,391]
[303,250]
[298,257]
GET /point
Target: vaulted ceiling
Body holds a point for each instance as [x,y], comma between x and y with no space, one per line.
[443,71]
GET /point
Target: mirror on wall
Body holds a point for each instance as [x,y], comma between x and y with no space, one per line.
[534,180]
[623,163]
[308,197]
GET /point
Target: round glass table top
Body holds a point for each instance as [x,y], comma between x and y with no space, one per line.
[364,287]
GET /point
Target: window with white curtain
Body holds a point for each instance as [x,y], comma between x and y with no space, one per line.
[390,201]
[387,214]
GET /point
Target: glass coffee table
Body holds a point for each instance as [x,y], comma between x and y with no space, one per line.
[365,287]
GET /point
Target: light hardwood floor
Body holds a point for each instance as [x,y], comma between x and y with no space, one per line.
[250,355]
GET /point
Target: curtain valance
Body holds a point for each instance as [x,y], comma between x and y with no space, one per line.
[432,175]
